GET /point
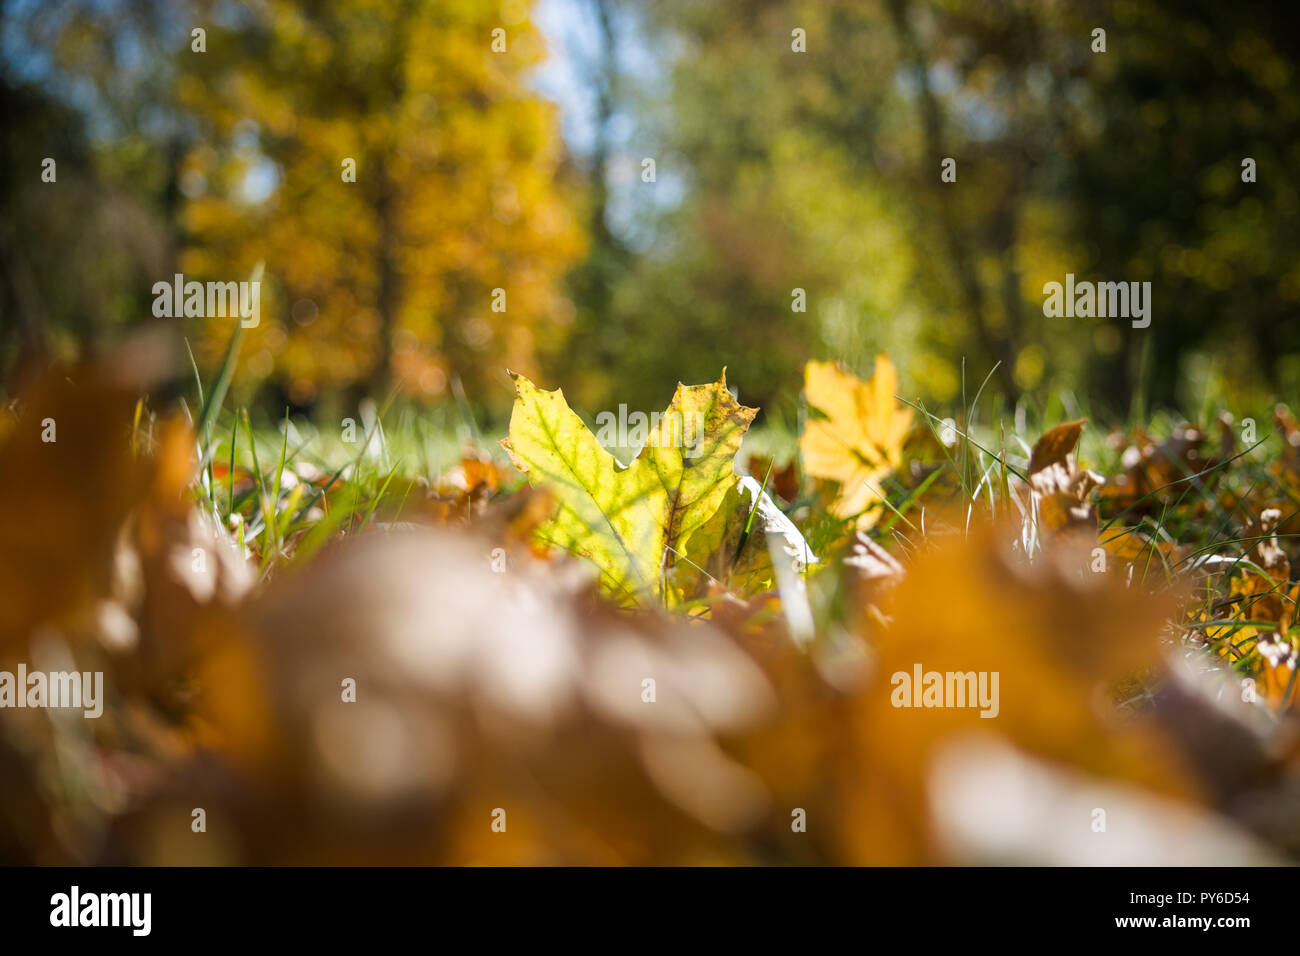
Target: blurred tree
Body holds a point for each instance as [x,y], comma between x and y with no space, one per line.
[595,279]
[85,84]
[778,170]
[674,291]
[391,276]
[1186,93]
[821,170]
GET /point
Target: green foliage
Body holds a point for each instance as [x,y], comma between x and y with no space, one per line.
[652,527]
[821,170]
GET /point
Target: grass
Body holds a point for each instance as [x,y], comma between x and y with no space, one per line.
[287,487]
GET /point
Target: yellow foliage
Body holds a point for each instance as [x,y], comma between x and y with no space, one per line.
[860,440]
[390,276]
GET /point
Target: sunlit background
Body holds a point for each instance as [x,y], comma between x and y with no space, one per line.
[775,170]
[614,196]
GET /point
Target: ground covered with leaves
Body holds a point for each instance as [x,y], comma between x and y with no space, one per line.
[546,655]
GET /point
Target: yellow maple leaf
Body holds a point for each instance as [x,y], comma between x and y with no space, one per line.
[860,440]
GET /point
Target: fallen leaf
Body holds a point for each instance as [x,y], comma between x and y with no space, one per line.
[649,528]
[1057,641]
[860,439]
